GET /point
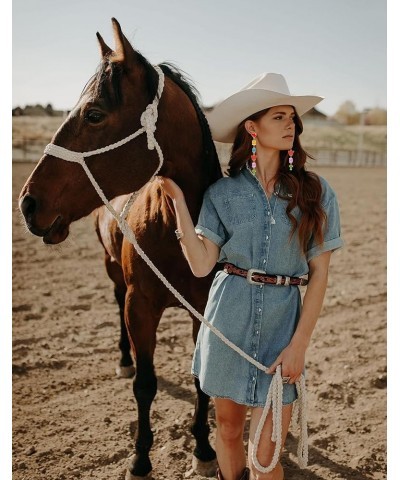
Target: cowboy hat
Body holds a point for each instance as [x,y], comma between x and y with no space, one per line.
[267,90]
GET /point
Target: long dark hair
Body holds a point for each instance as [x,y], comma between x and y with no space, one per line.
[300,187]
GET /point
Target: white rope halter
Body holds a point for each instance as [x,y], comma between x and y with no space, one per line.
[148,121]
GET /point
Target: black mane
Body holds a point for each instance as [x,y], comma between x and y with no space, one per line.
[212,167]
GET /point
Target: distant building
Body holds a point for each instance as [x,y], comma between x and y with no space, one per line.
[315,117]
[314,114]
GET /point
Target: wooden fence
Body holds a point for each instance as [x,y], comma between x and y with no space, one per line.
[350,158]
[28,150]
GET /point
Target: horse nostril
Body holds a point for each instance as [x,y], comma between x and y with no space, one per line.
[28,206]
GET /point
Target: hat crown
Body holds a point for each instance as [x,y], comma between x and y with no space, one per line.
[273,82]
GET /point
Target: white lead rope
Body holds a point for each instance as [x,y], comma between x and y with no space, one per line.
[275,393]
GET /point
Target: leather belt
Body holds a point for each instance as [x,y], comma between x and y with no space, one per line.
[257,277]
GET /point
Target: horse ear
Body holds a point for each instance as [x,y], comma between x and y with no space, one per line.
[105,50]
[123,49]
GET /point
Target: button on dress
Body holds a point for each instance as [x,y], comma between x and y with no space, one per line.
[261,319]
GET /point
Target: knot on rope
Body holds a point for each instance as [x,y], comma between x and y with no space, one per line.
[148,121]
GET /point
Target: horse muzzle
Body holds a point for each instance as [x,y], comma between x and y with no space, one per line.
[57,232]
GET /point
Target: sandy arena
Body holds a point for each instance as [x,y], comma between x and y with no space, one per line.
[73,419]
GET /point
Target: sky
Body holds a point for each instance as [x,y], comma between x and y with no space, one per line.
[332,48]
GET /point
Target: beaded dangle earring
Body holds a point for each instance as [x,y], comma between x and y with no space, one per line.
[291,153]
[253,153]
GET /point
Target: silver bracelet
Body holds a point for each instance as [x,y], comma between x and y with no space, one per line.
[179,234]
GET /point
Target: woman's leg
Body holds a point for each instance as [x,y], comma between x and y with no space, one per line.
[266,447]
[231,455]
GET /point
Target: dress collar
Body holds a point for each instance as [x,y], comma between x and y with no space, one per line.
[246,170]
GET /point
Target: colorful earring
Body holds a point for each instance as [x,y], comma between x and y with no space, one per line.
[291,153]
[253,153]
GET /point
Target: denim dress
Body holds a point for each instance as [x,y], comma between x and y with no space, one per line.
[253,231]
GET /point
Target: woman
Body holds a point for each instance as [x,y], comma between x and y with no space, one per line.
[272,215]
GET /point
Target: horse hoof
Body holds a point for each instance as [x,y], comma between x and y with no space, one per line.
[130,476]
[204,469]
[125,372]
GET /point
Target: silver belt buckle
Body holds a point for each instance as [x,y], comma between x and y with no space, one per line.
[250,272]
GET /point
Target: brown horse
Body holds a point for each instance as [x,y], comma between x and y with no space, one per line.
[59,192]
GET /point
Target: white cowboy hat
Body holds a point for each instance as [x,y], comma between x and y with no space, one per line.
[267,90]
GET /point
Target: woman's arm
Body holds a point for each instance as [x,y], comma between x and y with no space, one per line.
[313,298]
[200,252]
[292,357]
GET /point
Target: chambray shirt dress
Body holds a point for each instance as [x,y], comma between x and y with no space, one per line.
[260,319]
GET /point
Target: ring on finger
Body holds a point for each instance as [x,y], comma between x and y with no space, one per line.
[285,379]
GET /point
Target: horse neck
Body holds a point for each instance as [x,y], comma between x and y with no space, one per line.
[184,148]
[190,174]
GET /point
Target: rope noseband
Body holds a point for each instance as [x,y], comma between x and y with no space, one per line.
[148,121]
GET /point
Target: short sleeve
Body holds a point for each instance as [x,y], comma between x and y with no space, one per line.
[332,240]
[209,223]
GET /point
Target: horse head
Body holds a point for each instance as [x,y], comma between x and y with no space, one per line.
[109,109]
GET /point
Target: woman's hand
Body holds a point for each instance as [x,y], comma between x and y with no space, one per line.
[170,188]
[292,359]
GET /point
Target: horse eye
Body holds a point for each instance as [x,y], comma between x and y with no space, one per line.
[94,116]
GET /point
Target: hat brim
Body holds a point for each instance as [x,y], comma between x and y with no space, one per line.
[226,116]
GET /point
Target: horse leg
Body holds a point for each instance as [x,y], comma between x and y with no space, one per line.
[142,322]
[125,368]
[204,461]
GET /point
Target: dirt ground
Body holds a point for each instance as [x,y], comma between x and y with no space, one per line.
[73,419]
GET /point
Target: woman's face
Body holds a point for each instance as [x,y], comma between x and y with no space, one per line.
[276,128]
